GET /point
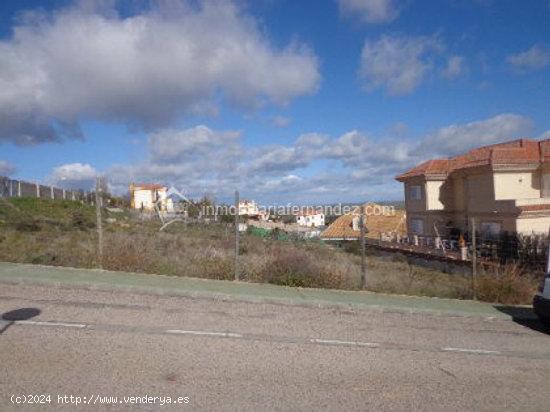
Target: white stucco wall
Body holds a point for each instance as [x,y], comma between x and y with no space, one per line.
[433,192]
[536,225]
[143,198]
[516,185]
[147,198]
[311,220]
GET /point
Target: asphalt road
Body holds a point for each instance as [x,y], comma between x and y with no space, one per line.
[102,346]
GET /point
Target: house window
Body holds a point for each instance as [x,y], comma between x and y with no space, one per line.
[490,229]
[416,192]
[417,226]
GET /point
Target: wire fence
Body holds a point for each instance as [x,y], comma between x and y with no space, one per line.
[229,245]
[530,251]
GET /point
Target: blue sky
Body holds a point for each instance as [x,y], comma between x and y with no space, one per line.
[288,101]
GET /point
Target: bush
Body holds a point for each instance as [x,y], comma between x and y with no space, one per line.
[290,267]
[508,284]
[81,221]
[299,265]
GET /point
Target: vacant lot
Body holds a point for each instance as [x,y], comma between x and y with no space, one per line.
[63,233]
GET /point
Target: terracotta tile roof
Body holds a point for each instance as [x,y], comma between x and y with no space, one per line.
[516,152]
[342,228]
[434,166]
[534,208]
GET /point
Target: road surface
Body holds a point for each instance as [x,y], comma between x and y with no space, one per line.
[114,350]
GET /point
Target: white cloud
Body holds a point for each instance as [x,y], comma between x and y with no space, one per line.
[6,168]
[201,160]
[458,138]
[370,11]
[397,64]
[196,160]
[179,146]
[278,159]
[145,70]
[74,176]
[454,68]
[280,121]
[535,58]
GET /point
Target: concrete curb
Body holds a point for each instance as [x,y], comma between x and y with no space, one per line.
[162,285]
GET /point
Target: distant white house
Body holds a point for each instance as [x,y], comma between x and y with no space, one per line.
[310,218]
[250,208]
[145,196]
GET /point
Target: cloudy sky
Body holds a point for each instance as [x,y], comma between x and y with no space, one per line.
[287,101]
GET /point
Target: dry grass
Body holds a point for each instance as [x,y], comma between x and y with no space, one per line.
[207,251]
[508,284]
[404,278]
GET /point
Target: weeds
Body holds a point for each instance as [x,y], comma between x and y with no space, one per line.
[61,235]
[509,284]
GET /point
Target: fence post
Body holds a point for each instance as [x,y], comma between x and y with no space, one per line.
[237,273]
[99,224]
[11,188]
[363,263]
[37,190]
[19,188]
[474,257]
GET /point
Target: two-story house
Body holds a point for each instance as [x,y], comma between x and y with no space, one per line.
[505,187]
[145,196]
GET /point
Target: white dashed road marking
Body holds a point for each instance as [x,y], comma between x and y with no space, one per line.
[334,342]
[38,323]
[201,333]
[478,351]
[344,343]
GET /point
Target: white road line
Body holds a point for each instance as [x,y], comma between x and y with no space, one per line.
[38,323]
[204,333]
[344,343]
[478,351]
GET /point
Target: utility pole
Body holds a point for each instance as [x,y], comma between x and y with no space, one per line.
[474,256]
[237,273]
[363,263]
[99,223]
